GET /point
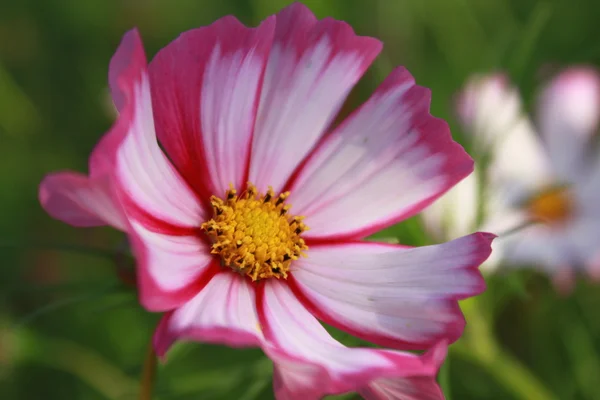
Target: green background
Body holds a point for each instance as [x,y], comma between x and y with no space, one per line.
[70,330]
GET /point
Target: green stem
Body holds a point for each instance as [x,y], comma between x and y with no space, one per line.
[148,374]
[479,346]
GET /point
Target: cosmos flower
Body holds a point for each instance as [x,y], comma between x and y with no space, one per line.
[246,209]
[548,180]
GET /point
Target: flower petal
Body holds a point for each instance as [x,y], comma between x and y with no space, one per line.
[164,215]
[125,72]
[568,116]
[224,311]
[205,88]
[82,201]
[79,201]
[536,246]
[145,175]
[120,63]
[413,388]
[309,363]
[518,167]
[553,248]
[385,163]
[395,297]
[171,268]
[157,202]
[312,67]
[488,107]
[417,387]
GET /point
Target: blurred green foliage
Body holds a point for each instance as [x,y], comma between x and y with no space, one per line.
[70,330]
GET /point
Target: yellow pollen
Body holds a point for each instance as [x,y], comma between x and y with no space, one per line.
[254,234]
[551,205]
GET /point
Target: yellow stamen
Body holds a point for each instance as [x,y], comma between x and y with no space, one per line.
[551,205]
[253,233]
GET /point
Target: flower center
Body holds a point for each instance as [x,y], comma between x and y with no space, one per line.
[253,233]
[551,205]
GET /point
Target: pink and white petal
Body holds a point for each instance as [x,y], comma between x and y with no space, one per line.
[146,177]
[82,201]
[309,363]
[294,378]
[171,269]
[385,163]
[223,312]
[568,116]
[129,50]
[488,107]
[205,88]
[312,67]
[126,72]
[417,387]
[401,298]
[414,388]
[79,201]
[454,214]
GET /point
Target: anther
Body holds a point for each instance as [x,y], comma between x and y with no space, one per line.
[253,234]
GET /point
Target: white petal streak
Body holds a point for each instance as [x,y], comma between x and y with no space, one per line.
[301,96]
[147,176]
[228,103]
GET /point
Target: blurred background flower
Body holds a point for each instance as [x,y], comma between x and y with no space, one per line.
[69,324]
[538,187]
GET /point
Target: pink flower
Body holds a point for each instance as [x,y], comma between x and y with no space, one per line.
[551,179]
[243,117]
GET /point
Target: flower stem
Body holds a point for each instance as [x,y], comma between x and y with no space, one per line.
[148,374]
